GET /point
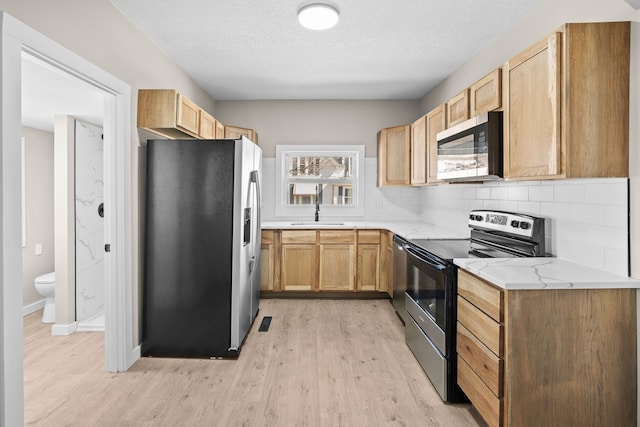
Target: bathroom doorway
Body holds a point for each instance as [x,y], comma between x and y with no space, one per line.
[120,350]
[77,135]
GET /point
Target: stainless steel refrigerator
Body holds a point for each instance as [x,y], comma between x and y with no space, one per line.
[201,286]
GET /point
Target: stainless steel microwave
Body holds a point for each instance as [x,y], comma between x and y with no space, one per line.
[471,150]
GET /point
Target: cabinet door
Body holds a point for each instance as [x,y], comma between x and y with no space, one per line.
[436,121]
[188,115]
[394,156]
[486,93]
[219,130]
[368,267]
[298,267]
[268,260]
[207,126]
[418,152]
[234,132]
[532,146]
[458,108]
[337,270]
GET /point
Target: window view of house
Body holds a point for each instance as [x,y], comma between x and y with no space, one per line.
[319,179]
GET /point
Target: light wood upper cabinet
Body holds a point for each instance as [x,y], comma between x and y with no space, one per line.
[219,130]
[458,108]
[188,115]
[566,105]
[167,113]
[172,115]
[419,152]
[486,94]
[207,126]
[436,121]
[532,111]
[394,156]
[234,132]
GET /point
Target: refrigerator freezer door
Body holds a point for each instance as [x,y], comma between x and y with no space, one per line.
[190,231]
[245,253]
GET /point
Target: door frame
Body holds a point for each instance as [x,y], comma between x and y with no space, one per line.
[120,350]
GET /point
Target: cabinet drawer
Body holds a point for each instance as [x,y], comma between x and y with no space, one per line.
[336,236]
[485,329]
[484,363]
[484,296]
[298,236]
[489,406]
[267,237]
[369,236]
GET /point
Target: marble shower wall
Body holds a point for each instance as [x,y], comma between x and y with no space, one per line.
[89,225]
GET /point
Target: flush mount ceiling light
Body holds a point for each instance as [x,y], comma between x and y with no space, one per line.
[318,16]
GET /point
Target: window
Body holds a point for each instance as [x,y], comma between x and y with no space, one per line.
[328,176]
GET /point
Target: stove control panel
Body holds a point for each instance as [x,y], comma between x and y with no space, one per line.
[506,222]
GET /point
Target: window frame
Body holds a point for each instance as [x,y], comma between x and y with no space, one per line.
[283,210]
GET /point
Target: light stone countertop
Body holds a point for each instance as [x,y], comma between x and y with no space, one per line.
[543,273]
[407,229]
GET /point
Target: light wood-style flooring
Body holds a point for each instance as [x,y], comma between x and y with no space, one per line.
[322,363]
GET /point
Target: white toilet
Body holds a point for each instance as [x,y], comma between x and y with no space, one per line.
[46,286]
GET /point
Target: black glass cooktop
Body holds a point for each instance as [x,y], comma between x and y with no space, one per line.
[448,249]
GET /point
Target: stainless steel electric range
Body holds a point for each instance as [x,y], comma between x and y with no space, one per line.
[431,286]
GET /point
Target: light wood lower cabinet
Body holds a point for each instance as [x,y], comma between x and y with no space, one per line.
[299,260]
[337,260]
[547,357]
[268,260]
[386,262]
[368,260]
[326,260]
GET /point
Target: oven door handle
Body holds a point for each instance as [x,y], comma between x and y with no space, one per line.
[423,259]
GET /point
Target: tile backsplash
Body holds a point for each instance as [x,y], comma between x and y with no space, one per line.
[587,219]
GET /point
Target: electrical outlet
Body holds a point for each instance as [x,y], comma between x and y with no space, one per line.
[38,248]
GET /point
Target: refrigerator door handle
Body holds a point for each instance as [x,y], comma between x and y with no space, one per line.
[255,178]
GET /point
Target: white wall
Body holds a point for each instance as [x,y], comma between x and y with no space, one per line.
[317,122]
[333,122]
[39,211]
[97,31]
[547,17]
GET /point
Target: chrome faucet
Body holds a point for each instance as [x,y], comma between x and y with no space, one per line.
[317,201]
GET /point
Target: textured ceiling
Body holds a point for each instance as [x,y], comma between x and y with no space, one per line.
[380,49]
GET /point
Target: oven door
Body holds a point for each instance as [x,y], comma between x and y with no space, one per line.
[427,296]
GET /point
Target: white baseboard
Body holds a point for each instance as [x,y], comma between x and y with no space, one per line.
[133,356]
[32,308]
[62,330]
